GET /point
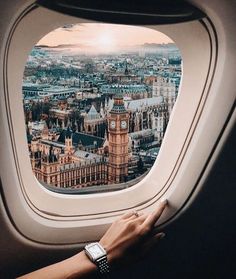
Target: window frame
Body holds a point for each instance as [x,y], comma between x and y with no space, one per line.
[69,216]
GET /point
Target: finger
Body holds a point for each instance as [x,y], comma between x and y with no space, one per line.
[155,215]
[142,218]
[137,220]
[159,236]
[127,215]
[135,217]
[153,241]
[131,214]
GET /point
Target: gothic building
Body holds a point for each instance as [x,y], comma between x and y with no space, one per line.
[61,164]
[118,126]
[151,113]
[166,88]
[129,91]
[123,78]
[78,160]
[94,122]
[102,152]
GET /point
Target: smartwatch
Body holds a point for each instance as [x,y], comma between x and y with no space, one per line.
[98,255]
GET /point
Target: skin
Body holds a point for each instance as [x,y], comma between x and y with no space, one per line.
[125,241]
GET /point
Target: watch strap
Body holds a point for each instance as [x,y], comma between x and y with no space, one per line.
[103,265]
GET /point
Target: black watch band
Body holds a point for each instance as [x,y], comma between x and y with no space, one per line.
[103,265]
[98,255]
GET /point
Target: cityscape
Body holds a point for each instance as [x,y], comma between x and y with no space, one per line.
[97,100]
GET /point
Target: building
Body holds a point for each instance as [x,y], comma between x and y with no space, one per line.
[79,160]
[118,127]
[33,90]
[143,139]
[133,91]
[94,123]
[62,163]
[123,78]
[166,88]
[42,91]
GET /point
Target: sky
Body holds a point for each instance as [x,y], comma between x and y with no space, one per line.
[98,37]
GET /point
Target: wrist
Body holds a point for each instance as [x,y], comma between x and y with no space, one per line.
[98,255]
[80,265]
[112,255]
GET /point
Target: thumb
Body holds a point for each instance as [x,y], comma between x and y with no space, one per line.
[159,236]
[153,241]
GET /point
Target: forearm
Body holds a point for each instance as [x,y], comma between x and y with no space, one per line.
[130,231]
[78,266]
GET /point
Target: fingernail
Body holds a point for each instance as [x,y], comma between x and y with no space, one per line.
[162,235]
[165,202]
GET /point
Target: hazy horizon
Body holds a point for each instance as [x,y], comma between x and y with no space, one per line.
[99,38]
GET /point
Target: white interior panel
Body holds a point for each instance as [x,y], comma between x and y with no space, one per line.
[200,110]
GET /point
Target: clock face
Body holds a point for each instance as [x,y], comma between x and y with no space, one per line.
[96,251]
[112,124]
[123,124]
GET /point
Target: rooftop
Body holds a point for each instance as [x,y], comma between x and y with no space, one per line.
[81,138]
[147,102]
[93,114]
[87,155]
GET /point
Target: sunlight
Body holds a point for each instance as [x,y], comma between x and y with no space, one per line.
[105,41]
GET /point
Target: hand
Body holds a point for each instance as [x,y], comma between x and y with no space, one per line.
[131,235]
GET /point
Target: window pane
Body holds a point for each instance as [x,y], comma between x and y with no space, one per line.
[97,100]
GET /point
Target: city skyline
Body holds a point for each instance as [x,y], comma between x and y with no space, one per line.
[93,38]
[94,115]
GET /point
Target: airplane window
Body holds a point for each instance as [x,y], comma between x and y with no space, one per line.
[97,99]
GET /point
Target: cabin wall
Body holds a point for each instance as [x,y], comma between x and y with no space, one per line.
[199,244]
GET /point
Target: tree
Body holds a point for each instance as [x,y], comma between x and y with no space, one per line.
[140,165]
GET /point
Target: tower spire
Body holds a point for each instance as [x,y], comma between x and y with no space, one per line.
[126,68]
[118,122]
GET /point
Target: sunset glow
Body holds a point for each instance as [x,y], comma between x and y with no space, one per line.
[102,37]
[105,41]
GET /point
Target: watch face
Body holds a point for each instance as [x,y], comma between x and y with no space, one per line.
[123,124]
[112,124]
[95,251]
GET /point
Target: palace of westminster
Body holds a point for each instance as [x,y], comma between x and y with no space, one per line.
[73,159]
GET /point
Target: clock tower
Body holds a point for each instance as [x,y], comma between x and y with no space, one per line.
[118,121]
